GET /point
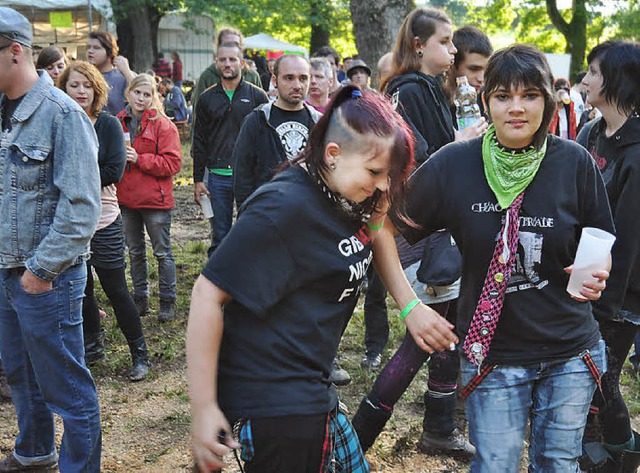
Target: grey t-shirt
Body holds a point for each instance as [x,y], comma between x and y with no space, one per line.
[117,85]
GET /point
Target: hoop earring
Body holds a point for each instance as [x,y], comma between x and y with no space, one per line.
[419,53]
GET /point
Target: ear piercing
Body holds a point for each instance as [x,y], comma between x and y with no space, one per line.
[332,165]
[419,53]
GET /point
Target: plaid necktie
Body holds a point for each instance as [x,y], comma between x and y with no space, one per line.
[485,319]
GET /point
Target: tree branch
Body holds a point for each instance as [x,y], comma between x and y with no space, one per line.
[556,17]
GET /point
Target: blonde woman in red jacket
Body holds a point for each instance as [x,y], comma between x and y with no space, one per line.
[145,193]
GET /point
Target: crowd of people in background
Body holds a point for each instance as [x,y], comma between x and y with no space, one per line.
[326,179]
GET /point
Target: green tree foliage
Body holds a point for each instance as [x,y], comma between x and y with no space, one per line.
[292,21]
[626,22]
[497,17]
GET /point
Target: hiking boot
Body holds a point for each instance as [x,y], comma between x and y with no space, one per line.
[5,390]
[139,359]
[11,463]
[93,347]
[371,361]
[142,303]
[338,375]
[455,444]
[167,310]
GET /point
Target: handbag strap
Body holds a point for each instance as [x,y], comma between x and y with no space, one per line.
[485,319]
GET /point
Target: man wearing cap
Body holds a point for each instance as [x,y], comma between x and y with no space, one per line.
[359,74]
[50,204]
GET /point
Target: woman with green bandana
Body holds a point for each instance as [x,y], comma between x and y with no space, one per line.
[516,200]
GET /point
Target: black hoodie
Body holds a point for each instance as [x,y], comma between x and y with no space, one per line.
[618,158]
[421,102]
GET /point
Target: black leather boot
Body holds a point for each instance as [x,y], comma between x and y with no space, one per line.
[93,347]
[167,310]
[140,360]
[598,458]
[628,460]
[369,421]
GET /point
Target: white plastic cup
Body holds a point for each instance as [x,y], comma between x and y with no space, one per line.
[592,255]
[205,205]
[127,138]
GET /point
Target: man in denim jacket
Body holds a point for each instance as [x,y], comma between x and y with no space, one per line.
[49,203]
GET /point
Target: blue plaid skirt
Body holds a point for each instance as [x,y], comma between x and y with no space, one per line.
[341,452]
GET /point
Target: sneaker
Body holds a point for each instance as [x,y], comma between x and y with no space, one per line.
[11,463]
[338,375]
[167,310]
[454,444]
[371,361]
[142,303]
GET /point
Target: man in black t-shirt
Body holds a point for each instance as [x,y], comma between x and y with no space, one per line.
[274,132]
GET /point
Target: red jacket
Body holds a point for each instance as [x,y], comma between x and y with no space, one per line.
[147,184]
[571,121]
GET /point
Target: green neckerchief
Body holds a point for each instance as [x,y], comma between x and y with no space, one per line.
[509,172]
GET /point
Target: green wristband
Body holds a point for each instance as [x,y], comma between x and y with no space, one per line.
[375,227]
[408,308]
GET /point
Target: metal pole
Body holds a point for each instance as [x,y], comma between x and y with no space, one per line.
[90,17]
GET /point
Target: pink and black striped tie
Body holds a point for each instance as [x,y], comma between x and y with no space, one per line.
[485,319]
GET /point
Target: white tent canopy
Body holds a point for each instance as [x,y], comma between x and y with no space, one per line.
[103,6]
[264,41]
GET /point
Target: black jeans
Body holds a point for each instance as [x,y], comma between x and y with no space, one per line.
[376,317]
[613,415]
[114,284]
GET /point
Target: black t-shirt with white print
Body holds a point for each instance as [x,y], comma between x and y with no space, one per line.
[292,127]
[540,321]
[293,264]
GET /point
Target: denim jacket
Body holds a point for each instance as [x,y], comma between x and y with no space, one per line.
[49,183]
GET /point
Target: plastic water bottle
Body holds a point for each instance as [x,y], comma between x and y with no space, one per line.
[466,101]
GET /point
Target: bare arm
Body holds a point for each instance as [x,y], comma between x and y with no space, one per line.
[204,335]
[430,331]
[122,63]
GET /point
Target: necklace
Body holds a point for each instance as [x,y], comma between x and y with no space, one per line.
[354,210]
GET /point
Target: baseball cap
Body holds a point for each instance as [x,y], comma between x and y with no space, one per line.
[15,27]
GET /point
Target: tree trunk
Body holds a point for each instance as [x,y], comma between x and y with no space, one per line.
[575,33]
[137,35]
[375,26]
[319,30]
[142,58]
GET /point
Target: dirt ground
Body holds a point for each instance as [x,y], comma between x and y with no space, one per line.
[146,425]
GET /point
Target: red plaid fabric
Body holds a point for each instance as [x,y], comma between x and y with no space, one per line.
[483,372]
[485,319]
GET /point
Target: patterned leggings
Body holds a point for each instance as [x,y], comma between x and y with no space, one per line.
[444,366]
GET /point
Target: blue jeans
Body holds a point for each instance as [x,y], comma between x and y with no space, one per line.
[43,356]
[158,225]
[221,190]
[554,396]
